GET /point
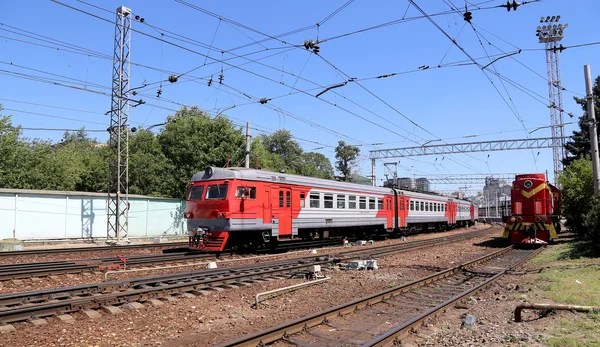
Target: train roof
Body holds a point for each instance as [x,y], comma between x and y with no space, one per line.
[215,173]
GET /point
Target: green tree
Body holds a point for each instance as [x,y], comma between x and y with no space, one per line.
[261,158]
[191,141]
[579,144]
[148,166]
[281,143]
[345,156]
[577,190]
[316,165]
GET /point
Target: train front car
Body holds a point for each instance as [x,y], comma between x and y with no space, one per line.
[217,203]
[532,220]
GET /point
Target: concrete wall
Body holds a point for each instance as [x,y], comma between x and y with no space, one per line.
[46,215]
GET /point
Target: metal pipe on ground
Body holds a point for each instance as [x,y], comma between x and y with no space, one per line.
[256,301]
[577,308]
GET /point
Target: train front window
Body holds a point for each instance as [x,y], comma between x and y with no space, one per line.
[216,192]
[195,193]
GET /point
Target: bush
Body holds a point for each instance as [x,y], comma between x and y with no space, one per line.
[591,221]
[577,192]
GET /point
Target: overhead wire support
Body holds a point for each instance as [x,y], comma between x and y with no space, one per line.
[118,143]
[465,147]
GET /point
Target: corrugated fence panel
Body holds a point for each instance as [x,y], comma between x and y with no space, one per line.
[7,215]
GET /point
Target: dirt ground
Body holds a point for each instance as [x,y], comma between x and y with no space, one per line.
[224,315]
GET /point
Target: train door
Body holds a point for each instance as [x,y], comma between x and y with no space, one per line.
[285,211]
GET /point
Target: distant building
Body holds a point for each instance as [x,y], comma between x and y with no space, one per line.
[422,184]
[407,182]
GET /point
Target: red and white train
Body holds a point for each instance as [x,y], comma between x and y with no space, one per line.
[238,207]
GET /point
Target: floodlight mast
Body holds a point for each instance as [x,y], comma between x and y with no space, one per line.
[550,33]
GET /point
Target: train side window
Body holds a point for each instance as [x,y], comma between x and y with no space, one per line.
[412,205]
[430,206]
[195,193]
[315,201]
[328,200]
[372,202]
[281,198]
[302,196]
[379,204]
[362,203]
[416,205]
[422,206]
[288,199]
[426,206]
[239,192]
[341,201]
[352,202]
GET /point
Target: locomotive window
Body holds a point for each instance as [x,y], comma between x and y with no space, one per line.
[240,192]
[287,198]
[195,193]
[281,198]
[372,202]
[315,201]
[380,204]
[362,203]
[352,202]
[216,192]
[302,196]
[328,200]
[341,201]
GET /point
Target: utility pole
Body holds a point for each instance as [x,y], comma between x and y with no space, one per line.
[593,128]
[118,161]
[550,34]
[497,199]
[248,145]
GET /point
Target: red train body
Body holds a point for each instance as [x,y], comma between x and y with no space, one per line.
[535,211]
[237,207]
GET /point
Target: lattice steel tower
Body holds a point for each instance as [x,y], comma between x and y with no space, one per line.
[550,33]
[118,161]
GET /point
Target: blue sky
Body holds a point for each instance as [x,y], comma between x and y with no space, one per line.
[446,103]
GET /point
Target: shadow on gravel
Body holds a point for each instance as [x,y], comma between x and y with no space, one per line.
[496,242]
[425,267]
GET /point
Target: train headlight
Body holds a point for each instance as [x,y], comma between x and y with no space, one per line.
[544,219]
[513,219]
[519,219]
[528,184]
[537,219]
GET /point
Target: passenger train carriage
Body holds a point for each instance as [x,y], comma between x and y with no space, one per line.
[238,207]
[535,211]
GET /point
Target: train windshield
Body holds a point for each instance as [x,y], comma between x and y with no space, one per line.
[195,193]
[216,192]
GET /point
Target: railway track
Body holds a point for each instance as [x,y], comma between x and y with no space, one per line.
[37,304]
[43,269]
[367,321]
[92,249]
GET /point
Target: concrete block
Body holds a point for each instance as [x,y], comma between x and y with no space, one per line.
[66,318]
[35,279]
[160,240]
[133,306]
[218,289]
[8,328]
[11,245]
[168,298]
[244,284]
[92,314]
[69,275]
[212,265]
[155,302]
[188,295]
[38,322]
[54,278]
[17,282]
[111,310]
[231,286]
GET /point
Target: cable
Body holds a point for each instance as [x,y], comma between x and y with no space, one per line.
[332,14]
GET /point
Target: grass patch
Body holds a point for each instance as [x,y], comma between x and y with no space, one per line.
[572,276]
[584,331]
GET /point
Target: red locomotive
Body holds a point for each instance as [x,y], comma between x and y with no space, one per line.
[238,207]
[535,217]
